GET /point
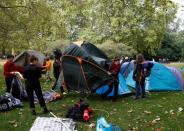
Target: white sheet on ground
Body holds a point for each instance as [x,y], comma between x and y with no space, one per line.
[52,124]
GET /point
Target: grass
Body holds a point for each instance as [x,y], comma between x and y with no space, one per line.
[126,112]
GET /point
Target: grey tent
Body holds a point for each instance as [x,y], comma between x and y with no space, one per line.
[23,58]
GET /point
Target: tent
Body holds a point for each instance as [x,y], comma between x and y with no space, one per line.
[160,79]
[84,76]
[23,58]
[84,70]
[178,75]
[89,52]
[122,88]
[126,68]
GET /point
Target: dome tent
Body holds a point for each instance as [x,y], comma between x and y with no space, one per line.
[160,79]
[23,58]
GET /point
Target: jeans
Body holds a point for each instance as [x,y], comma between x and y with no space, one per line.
[140,89]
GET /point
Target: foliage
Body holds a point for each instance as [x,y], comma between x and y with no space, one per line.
[60,44]
[113,49]
[170,48]
[139,24]
[24,24]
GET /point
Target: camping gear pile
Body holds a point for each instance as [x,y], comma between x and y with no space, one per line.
[80,111]
[48,96]
[8,102]
[53,124]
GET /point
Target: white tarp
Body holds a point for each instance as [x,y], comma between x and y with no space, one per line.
[53,124]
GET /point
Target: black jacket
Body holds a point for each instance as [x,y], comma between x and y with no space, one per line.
[32,73]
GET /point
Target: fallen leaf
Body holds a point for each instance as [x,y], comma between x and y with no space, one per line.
[171,112]
[180,109]
[92,125]
[15,125]
[159,105]
[155,121]
[130,111]
[147,112]
[63,105]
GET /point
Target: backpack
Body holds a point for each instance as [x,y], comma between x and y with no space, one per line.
[148,68]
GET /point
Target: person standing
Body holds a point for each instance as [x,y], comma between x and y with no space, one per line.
[57,68]
[48,68]
[114,69]
[9,71]
[139,77]
[32,74]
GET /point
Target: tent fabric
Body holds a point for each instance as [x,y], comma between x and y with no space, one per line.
[75,50]
[17,89]
[122,88]
[178,75]
[126,68]
[89,52]
[23,58]
[93,50]
[160,79]
[48,96]
[82,75]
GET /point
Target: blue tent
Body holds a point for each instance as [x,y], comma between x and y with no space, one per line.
[123,88]
[126,68]
[160,79]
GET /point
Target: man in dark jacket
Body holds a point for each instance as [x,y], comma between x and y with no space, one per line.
[32,75]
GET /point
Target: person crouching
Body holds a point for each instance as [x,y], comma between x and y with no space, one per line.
[32,73]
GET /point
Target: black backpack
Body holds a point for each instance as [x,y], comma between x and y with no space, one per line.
[76,111]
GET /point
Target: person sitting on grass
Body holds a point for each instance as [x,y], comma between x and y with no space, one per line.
[32,74]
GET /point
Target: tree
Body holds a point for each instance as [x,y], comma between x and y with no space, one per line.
[170,48]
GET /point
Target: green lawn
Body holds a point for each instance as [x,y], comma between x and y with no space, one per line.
[126,113]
